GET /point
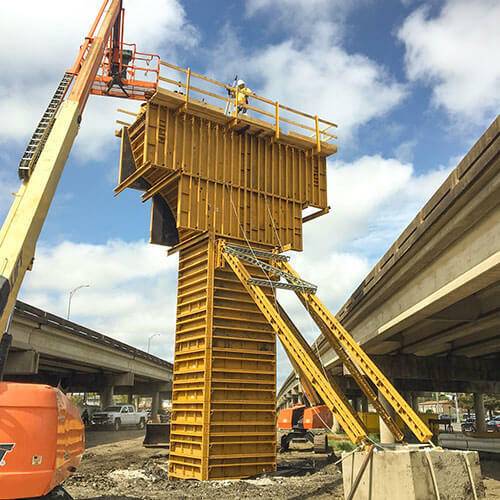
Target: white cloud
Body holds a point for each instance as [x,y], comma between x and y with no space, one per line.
[405,151]
[372,198]
[309,17]
[132,291]
[456,53]
[40,40]
[304,7]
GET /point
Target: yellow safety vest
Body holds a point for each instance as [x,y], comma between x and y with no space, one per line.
[243,95]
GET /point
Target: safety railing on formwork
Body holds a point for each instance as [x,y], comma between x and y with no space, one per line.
[282,119]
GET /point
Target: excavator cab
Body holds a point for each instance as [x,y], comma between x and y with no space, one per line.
[308,423]
[291,418]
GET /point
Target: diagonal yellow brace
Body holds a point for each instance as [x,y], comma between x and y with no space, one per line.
[308,389]
[363,362]
[303,356]
[357,375]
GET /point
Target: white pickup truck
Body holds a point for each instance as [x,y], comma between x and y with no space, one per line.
[119,416]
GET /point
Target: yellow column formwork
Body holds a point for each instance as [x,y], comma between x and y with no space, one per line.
[224,386]
[210,176]
[215,181]
[218,177]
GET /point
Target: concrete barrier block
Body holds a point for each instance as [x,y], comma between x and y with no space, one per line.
[414,474]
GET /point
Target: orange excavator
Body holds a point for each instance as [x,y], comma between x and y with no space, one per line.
[309,423]
[41,433]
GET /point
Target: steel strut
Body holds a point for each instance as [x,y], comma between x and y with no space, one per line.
[301,352]
[343,342]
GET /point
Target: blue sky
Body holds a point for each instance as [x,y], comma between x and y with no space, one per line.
[412,85]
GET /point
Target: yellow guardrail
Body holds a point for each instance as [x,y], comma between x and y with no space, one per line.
[280,117]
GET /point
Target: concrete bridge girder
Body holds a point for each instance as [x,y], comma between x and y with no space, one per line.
[435,294]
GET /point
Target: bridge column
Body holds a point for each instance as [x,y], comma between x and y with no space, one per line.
[355,403]
[335,425]
[386,436]
[411,399]
[479,410]
[106,396]
[414,401]
[155,406]
[364,404]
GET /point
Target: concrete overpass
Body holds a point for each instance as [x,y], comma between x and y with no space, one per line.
[429,311]
[49,349]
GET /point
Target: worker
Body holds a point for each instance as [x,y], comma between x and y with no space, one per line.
[241,96]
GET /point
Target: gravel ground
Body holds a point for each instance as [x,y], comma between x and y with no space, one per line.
[125,470]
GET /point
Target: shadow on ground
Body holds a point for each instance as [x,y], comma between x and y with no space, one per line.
[490,468]
[112,498]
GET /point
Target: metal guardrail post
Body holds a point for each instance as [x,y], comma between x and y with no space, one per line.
[236,99]
[277,120]
[188,82]
[318,137]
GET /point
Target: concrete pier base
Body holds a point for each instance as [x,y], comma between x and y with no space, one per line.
[409,473]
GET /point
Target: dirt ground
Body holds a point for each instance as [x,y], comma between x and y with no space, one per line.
[95,438]
[124,470]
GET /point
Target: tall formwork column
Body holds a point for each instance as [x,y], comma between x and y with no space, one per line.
[212,176]
[224,387]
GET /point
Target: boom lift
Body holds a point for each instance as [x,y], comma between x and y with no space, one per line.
[104,66]
[42,428]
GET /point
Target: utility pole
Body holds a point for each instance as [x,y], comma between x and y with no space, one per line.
[150,337]
[456,405]
[71,293]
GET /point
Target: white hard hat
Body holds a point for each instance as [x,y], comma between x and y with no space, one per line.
[240,83]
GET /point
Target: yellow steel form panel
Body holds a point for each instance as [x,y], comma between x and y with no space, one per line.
[224,386]
[302,354]
[216,178]
[219,153]
[343,343]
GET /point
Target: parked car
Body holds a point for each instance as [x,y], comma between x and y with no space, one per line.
[494,424]
[119,416]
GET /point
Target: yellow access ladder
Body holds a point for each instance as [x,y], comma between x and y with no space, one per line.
[360,366]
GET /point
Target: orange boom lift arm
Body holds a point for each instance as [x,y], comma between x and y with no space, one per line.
[105,65]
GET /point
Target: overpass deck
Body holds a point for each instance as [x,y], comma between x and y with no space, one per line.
[50,349]
[433,299]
